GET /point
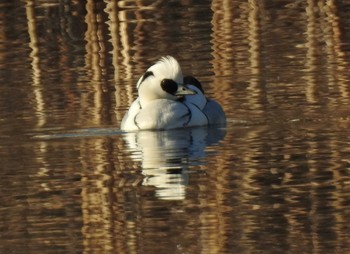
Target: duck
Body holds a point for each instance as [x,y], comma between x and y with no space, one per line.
[163,100]
[209,107]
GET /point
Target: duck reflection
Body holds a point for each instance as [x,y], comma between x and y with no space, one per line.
[166,156]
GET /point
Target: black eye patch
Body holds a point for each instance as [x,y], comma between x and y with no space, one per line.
[169,86]
[146,75]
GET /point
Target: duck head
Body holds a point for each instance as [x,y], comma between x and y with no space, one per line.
[163,80]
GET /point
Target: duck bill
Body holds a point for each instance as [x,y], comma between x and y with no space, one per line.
[184,90]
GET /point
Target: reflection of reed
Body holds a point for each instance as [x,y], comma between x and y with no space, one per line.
[337,64]
[120,52]
[283,194]
[311,53]
[95,55]
[109,190]
[266,175]
[133,18]
[255,88]
[222,37]
[323,35]
[125,43]
[329,175]
[97,60]
[95,37]
[37,86]
[114,25]
[318,200]
[96,199]
[236,42]
[122,31]
[214,233]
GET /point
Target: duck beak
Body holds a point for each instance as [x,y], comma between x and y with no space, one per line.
[184,90]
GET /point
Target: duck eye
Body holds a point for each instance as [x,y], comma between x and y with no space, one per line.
[169,86]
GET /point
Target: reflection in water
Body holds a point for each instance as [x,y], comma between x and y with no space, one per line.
[37,86]
[239,23]
[166,155]
[72,182]
[276,186]
[333,54]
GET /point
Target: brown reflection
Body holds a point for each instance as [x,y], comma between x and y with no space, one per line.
[131,18]
[255,21]
[117,34]
[95,37]
[337,67]
[324,52]
[97,61]
[113,24]
[96,198]
[235,220]
[110,202]
[36,69]
[311,52]
[121,53]
[318,200]
[236,40]
[40,203]
[283,194]
[281,187]
[271,188]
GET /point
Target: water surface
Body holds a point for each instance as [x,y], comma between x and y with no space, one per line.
[274,180]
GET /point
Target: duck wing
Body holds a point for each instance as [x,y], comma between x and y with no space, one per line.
[128,122]
[214,112]
[163,114]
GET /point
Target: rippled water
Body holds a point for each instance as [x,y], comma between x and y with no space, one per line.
[275,180]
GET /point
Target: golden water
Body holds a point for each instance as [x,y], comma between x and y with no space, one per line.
[275,180]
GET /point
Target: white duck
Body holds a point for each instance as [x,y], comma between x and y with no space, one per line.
[161,103]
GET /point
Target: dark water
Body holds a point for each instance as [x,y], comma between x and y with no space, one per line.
[275,180]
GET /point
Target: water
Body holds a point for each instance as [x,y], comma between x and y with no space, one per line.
[275,180]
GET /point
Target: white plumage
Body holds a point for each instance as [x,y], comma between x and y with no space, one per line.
[164,102]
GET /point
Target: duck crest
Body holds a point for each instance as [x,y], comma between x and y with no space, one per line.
[169,67]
